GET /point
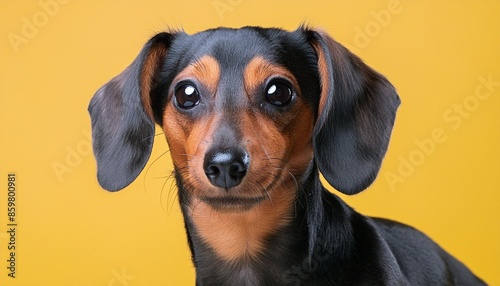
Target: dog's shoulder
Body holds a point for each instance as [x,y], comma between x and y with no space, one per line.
[420,258]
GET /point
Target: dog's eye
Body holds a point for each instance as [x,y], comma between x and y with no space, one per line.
[187,96]
[278,93]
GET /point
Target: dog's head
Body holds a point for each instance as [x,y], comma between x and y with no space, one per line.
[245,112]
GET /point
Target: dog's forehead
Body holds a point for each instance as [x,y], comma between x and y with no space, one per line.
[235,48]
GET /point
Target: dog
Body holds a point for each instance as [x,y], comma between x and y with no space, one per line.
[252,116]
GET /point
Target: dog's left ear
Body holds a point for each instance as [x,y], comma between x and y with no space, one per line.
[122,117]
[356,114]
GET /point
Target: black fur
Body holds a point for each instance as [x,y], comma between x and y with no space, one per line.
[327,243]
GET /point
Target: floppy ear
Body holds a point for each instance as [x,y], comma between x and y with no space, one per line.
[356,114]
[121,113]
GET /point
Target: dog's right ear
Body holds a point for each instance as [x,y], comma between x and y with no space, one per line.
[122,117]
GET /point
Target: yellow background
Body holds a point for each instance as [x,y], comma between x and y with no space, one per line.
[71,232]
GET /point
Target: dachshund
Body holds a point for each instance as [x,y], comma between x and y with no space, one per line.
[252,117]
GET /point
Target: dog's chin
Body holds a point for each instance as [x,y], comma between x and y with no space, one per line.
[232,203]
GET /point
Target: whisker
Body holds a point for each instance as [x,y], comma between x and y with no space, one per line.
[263,149]
[172,194]
[149,167]
[161,198]
[173,189]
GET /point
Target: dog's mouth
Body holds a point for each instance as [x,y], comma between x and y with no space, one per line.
[232,203]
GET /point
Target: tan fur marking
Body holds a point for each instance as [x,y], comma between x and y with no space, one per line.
[150,68]
[188,144]
[176,130]
[323,75]
[260,69]
[236,235]
[206,69]
[300,153]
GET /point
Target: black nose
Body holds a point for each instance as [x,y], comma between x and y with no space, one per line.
[226,168]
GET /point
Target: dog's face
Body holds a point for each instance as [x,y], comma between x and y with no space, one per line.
[239,116]
[245,112]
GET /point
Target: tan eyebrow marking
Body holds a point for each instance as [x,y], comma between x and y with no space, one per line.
[259,70]
[206,69]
